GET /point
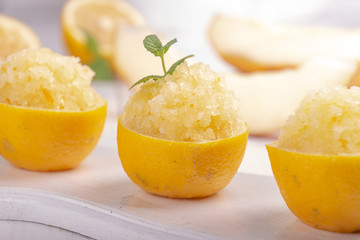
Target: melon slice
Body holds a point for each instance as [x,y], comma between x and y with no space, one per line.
[268,98]
[260,46]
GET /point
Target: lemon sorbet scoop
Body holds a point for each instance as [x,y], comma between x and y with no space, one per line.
[46,80]
[192,105]
[50,116]
[316,161]
[182,135]
[327,122]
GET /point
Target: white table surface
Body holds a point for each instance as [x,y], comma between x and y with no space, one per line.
[31,230]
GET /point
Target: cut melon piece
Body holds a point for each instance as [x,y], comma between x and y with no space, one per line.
[132,61]
[268,98]
[258,46]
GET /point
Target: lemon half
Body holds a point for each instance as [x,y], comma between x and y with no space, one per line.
[15,36]
[323,191]
[50,116]
[179,169]
[48,140]
[100,18]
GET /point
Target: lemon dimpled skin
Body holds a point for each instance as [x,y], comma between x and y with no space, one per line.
[50,117]
[178,169]
[48,140]
[320,182]
[321,190]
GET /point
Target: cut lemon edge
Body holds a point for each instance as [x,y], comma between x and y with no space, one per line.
[75,38]
[49,140]
[178,169]
[323,191]
[15,36]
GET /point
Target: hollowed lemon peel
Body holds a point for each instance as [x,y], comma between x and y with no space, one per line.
[179,169]
[49,140]
[323,191]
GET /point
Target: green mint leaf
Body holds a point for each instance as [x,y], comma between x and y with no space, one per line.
[145,79]
[91,44]
[102,69]
[153,44]
[168,45]
[178,62]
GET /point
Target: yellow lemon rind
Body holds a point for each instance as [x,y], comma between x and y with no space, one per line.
[323,191]
[178,169]
[49,140]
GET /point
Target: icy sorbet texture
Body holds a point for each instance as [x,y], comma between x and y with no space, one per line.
[327,122]
[192,104]
[42,79]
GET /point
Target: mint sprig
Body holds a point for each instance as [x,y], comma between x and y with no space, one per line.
[101,67]
[153,44]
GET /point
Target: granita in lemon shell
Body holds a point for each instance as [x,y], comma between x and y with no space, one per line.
[316,161]
[50,116]
[181,135]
